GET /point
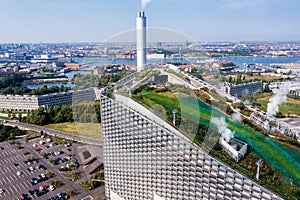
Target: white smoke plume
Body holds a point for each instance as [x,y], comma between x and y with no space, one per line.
[222,128]
[144,3]
[279,97]
[237,115]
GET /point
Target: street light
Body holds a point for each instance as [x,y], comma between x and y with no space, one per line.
[174,116]
[259,163]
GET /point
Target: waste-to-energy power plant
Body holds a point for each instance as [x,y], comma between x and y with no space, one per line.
[141,41]
[146,158]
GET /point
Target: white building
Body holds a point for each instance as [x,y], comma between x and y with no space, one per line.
[28,103]
[244,89]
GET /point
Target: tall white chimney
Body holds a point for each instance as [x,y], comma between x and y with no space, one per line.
[141,41]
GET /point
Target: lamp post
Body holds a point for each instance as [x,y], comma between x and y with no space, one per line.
[259,163]
[174,116]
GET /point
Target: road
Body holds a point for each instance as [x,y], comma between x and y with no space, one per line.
[53,132]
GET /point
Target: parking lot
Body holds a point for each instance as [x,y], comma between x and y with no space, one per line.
[18,176]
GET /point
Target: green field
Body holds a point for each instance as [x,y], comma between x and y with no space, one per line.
[92,130]
[280,157]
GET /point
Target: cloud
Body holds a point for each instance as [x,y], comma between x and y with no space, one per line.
[144,3]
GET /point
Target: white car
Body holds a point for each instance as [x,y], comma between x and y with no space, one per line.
[67,145]
[1,191]
[41,187]
[51,187]
[19,173]
[31,168]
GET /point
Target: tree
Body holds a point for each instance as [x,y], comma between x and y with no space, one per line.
[239,79]
[69,192]
[11,136]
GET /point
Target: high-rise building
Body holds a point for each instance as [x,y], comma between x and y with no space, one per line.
[141,41]
[145,160]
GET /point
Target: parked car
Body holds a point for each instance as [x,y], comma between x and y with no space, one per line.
[31,192]
[24,197]
[51,187]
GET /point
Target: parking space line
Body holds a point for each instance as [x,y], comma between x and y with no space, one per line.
[22,185]
[6,179]
[9,178]
[11,190]
[27,183]
[18,186]
[3,181]
[11,167]
[14,177]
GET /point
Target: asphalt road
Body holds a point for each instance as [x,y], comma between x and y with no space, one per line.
[53,132]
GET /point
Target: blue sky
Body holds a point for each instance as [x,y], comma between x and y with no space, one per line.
[96,20]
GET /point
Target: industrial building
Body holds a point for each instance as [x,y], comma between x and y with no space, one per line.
[244,89]
[28,103]
[145,158]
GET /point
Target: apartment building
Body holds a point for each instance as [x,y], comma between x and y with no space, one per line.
[244,89]
[28,103]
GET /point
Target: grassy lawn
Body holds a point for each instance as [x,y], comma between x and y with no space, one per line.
[5,118]
[92,130]
[280,157]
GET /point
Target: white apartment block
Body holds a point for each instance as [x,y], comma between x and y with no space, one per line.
[28,103]
[244,89]
[18,102]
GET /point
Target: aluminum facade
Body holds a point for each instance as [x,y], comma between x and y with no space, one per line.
[143,160]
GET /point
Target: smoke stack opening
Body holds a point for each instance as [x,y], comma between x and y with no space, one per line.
[141,14]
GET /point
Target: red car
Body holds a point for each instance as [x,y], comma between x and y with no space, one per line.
[38,149]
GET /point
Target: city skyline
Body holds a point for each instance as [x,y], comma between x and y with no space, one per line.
[95,21]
